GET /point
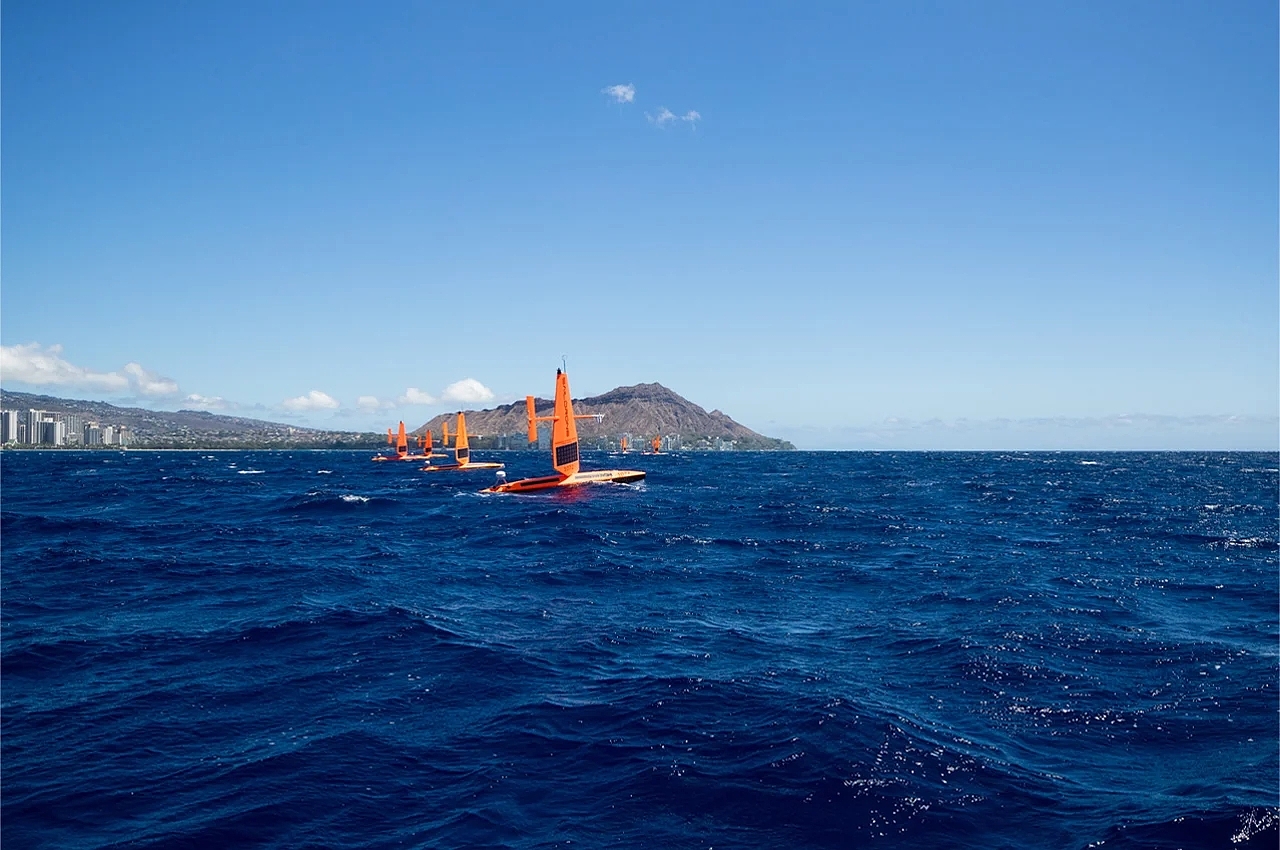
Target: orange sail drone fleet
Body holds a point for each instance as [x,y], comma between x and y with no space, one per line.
[564,449]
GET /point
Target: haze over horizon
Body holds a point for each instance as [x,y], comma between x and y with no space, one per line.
[846,226]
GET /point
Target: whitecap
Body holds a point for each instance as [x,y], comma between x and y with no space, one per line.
[351,497]
[324,472]
[249,471]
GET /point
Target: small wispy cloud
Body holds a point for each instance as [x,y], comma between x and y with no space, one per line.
[195,401]
[621,93]
[666,117]
[314,400]
[467,390]
[663,118]
[371,403]
[413,395]
[43,366]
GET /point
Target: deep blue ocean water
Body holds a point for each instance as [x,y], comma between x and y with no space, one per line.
[290,649]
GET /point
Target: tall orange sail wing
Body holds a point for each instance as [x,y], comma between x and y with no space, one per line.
[444,433]
[564,429]
[462,448]
[402,441]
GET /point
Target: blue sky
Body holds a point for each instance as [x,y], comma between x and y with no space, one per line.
[855,225]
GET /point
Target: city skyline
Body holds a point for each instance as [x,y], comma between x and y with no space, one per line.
[849,227]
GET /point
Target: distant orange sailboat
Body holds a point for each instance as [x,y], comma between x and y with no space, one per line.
[401,442]
[428,445]
[564,448]
[461,451]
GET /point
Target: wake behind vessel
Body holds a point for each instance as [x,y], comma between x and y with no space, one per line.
[564,449]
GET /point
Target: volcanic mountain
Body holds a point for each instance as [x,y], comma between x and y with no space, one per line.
[642,412]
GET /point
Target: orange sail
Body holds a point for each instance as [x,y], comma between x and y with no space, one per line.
[462,446]
[624,444]
[564,429]
[461,451]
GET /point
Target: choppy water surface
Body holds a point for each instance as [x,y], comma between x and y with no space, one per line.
[748,650]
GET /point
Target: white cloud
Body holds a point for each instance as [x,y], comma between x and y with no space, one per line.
[46,367]
[663,118]
[413,395]
[314,400]
[203,402]
[149,383]
[622,93]
[468,389]
[370,402]
[666,116]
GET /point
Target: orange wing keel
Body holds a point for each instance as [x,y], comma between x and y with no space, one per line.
[531,411]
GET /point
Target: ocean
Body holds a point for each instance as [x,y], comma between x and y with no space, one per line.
[905,650]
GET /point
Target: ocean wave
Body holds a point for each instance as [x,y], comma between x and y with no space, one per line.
[844,660]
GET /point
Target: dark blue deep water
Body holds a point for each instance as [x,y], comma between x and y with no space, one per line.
[748,650]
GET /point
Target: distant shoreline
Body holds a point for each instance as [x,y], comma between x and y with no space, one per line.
[141,449]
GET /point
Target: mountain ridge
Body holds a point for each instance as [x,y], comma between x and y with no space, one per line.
[641,411]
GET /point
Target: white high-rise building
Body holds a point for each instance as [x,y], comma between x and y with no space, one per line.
[92,434]
[72,427]
[52,433]
[31,421]
[108,435]
[8,426]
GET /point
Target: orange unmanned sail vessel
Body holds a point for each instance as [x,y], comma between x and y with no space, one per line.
[401,442]
[564,448]
[428,445]
[461,451]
